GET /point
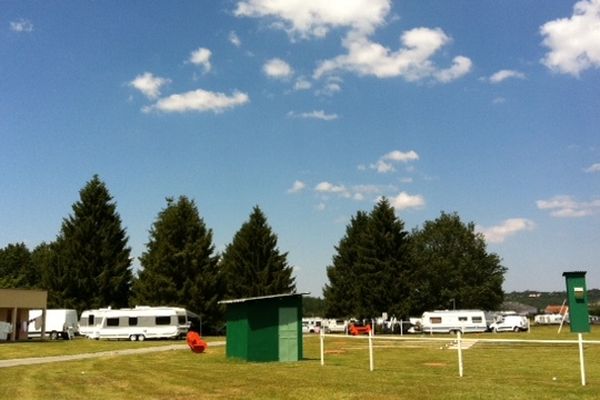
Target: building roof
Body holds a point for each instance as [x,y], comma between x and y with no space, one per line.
[273,296]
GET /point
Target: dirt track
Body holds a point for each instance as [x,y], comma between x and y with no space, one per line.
[44,360]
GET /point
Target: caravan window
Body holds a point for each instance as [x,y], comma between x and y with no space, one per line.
[133,321]
[435,320]
[163,320]
[463,319]
[91,319]
[181,320]
[112,321]
[477,319]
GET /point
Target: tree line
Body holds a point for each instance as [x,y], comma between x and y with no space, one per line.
[378,266]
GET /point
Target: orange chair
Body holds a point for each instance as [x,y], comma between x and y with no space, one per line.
[359,330]
[197,345]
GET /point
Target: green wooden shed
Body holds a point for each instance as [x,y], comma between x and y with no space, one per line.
[266,328]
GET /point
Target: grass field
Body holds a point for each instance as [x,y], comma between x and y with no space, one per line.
[403,370]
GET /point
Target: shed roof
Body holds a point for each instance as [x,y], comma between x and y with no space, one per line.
[272,296]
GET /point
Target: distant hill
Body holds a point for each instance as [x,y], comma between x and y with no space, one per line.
[540,300]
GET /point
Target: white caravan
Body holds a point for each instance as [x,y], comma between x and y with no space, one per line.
[548,319]
[137,323]
[89,319]
[452,321]
[59,323]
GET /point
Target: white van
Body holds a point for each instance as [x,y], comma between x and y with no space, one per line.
[139,323]
[335,326]
[311,325]
[60,323]
[452,321]
[512,322]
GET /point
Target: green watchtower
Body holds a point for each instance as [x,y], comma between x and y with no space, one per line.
[577,297]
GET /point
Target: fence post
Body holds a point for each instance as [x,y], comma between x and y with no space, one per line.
[371,367]
[581,360]
[322,340]
[460,360]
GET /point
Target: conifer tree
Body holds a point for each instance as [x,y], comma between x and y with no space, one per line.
[179,264]
[371,270]
[382,266]
[340,294]
[252,263]
[92,254]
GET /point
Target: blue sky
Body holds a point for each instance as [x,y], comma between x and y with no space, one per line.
[312,110]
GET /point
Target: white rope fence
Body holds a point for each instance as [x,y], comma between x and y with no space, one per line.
[459,340]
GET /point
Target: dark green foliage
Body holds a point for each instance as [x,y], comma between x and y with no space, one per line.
[383,265]
[16,269]
[370,272]
[452,267]
[252,263]
[313,306]
[179,265]
[92,264]
[54,276]
[340,293]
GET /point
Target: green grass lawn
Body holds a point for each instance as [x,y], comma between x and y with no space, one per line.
[403,370]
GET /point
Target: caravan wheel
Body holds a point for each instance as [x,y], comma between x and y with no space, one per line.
[141,338]
[53,335]
[133,338]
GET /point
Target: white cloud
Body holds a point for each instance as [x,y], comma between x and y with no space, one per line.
[327,187]
[297,187]
[149,84]
[314,18]
[574,42]
[400,156]
[332,85]
[278,69]
[386,162]
[404,201]
[411,62]
[568,207]
[302,84]
[234,39]
[320,207]
[199,100]
[201,56]
[316,114]
[21,25]
[509,227]
[593,168]
[460,66]
[506,74]
[499,100]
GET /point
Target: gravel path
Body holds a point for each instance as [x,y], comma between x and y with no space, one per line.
[44,360]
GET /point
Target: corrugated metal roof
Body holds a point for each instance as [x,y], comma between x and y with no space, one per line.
[273,296]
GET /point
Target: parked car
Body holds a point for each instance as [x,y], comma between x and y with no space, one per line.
[507,323]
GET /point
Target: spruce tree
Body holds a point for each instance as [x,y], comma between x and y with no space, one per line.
[252,263]
[179,264]
[92,254]
[340,294]
[382,267]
